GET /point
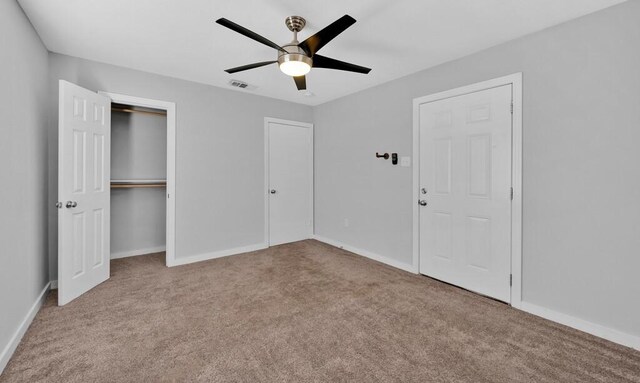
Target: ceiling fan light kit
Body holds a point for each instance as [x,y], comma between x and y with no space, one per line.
[296,59]
[294,65]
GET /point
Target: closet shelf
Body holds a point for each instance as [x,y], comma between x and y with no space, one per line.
[130,184]
[130,110]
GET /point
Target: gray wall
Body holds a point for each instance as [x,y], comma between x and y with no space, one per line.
[220,146]
[581,158]
[138,151]
[23,168]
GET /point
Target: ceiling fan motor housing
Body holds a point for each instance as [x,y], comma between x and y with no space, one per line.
[295,53]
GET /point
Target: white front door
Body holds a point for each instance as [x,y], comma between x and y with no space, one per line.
[84,147]
[290,186]
[465,182]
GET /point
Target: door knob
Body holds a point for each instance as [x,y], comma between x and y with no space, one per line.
[422,202]
[71,204]
[273,191]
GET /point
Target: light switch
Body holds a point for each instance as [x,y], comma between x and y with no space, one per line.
[405,161]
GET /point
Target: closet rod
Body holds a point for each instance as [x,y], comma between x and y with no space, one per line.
[126,110]
[131,186]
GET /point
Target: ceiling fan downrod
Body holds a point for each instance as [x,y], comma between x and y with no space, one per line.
[295,25]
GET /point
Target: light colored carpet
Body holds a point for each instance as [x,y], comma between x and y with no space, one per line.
[302,312]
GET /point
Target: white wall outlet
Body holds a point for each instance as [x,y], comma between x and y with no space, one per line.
[405,161]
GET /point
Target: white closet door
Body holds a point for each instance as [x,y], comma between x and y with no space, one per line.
[83,190]
[290,182]
[465,181]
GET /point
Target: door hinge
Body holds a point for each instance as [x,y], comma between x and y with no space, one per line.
[510,279]
[511,194]
[511,107]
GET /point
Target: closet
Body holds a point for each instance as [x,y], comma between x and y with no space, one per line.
[138,180]
[116,184]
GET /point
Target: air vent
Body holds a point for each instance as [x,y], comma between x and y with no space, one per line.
[242,85]
[238,84]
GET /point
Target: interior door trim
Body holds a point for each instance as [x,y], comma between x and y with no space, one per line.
[170,108]
[515,80]
[267,121]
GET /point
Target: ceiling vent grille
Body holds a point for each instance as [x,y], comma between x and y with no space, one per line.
[242,85]
[238,84]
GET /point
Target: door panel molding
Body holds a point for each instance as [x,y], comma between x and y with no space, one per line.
[83,202]
[267,122]
[515,80]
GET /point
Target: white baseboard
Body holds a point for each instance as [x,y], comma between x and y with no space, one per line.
[10,348]
[133,253]
[54,285]
[583,325]
[365,253]
[217,254]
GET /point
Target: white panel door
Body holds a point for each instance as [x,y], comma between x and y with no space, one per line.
[84,145]
[465,181]
[290,188]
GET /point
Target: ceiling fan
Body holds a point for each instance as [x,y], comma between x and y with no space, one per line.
[296,59]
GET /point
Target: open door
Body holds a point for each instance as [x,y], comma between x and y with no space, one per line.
[84,157]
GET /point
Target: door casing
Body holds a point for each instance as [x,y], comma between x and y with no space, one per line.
[516,173]
[170,108]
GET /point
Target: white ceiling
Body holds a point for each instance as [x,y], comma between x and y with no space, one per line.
[179,38]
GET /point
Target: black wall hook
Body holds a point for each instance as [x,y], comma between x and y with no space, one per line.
[385,156]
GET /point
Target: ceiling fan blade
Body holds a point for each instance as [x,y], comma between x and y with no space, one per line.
[250,34]
[320,39]
[248,66]
[301,82]
[329,63]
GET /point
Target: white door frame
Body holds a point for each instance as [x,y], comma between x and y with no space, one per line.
[170,108]
[516,174]
[267,121]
